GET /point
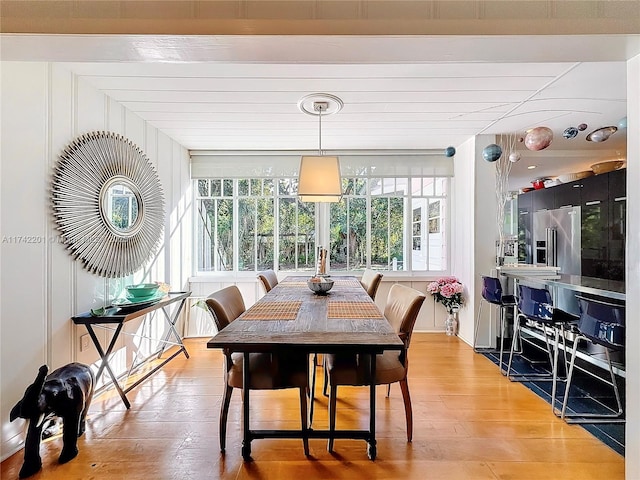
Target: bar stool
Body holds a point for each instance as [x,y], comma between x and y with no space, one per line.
[492,293]
[535,305]
[601,323]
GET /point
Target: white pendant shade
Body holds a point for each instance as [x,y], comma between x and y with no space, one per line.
[319,179]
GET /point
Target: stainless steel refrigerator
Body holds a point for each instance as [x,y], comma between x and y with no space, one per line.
[556,239]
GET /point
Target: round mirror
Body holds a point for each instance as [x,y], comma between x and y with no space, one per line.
[108,203]
[121,206]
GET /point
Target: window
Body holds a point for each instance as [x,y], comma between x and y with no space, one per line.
[417,229]
[381,223]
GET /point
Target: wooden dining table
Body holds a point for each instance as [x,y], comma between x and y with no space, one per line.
[292,319]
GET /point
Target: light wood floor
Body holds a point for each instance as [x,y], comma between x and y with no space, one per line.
[469,423]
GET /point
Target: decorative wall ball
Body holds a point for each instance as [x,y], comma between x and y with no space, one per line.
[570,133]
[450,151]
[582,127]
[492,152]
[601,134]
[622,123]
[538,138]
[514,157]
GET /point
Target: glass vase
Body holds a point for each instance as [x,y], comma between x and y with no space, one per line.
[451,323]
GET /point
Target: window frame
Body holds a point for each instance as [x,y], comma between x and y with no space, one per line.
[319,214]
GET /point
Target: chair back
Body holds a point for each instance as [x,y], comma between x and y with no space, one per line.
[403,305]
[225,305]
[535,303]
[370,281]
[602,322]
[492,290]
[269,279]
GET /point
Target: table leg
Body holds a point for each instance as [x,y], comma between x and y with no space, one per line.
[171,322]
[104,356]
[371,447]
[246,381]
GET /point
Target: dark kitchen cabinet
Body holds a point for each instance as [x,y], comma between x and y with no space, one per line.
[595,188]
[618,184]
[542,199]
[603,209]
[617,224]
[566,194]
[595,226]
[525,228]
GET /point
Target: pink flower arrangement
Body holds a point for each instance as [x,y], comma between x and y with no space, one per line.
[447,291]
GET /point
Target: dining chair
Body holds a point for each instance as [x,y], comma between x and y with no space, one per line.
[269,279]
[401,310]
[603,324]
[267,371]
[492,293]
[535,306]
[370,281]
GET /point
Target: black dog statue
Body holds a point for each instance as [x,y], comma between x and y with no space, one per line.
[65,393]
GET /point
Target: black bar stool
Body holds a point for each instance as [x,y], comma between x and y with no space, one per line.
[536,306]
[492,293]
[601,323]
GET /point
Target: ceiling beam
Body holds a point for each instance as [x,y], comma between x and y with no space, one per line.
[321,17]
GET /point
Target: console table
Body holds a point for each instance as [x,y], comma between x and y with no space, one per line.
[116,318]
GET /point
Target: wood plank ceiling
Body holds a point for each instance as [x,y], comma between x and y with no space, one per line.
[240,92]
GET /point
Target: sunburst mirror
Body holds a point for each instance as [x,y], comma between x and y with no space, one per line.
[108,203]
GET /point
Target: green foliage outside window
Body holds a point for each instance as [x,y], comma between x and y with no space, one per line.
[371,225]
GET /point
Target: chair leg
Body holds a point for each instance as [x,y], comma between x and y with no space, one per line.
[614,417]
[554,369]
[502,325]
[567,387]
[326,378]
[388,389]
[408,411]
[551,349]
[304,419]
[516,334]
[475,334]
[312,391]
[614,382]
[332,416]
[224,411]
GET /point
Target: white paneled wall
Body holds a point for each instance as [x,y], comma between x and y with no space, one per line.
[473,230]
[633,271]
[25,331]
[44,107]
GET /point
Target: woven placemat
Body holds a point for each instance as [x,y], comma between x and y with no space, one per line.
[347,282]
[293,284]
[353,310]
[272,311]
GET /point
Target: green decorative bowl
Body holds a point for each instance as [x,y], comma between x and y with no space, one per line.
[141,290]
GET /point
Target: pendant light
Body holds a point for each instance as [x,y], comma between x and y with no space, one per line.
[319,178]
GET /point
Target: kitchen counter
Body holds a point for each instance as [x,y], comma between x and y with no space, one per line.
[528,270]
[564,290]
[594,286]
